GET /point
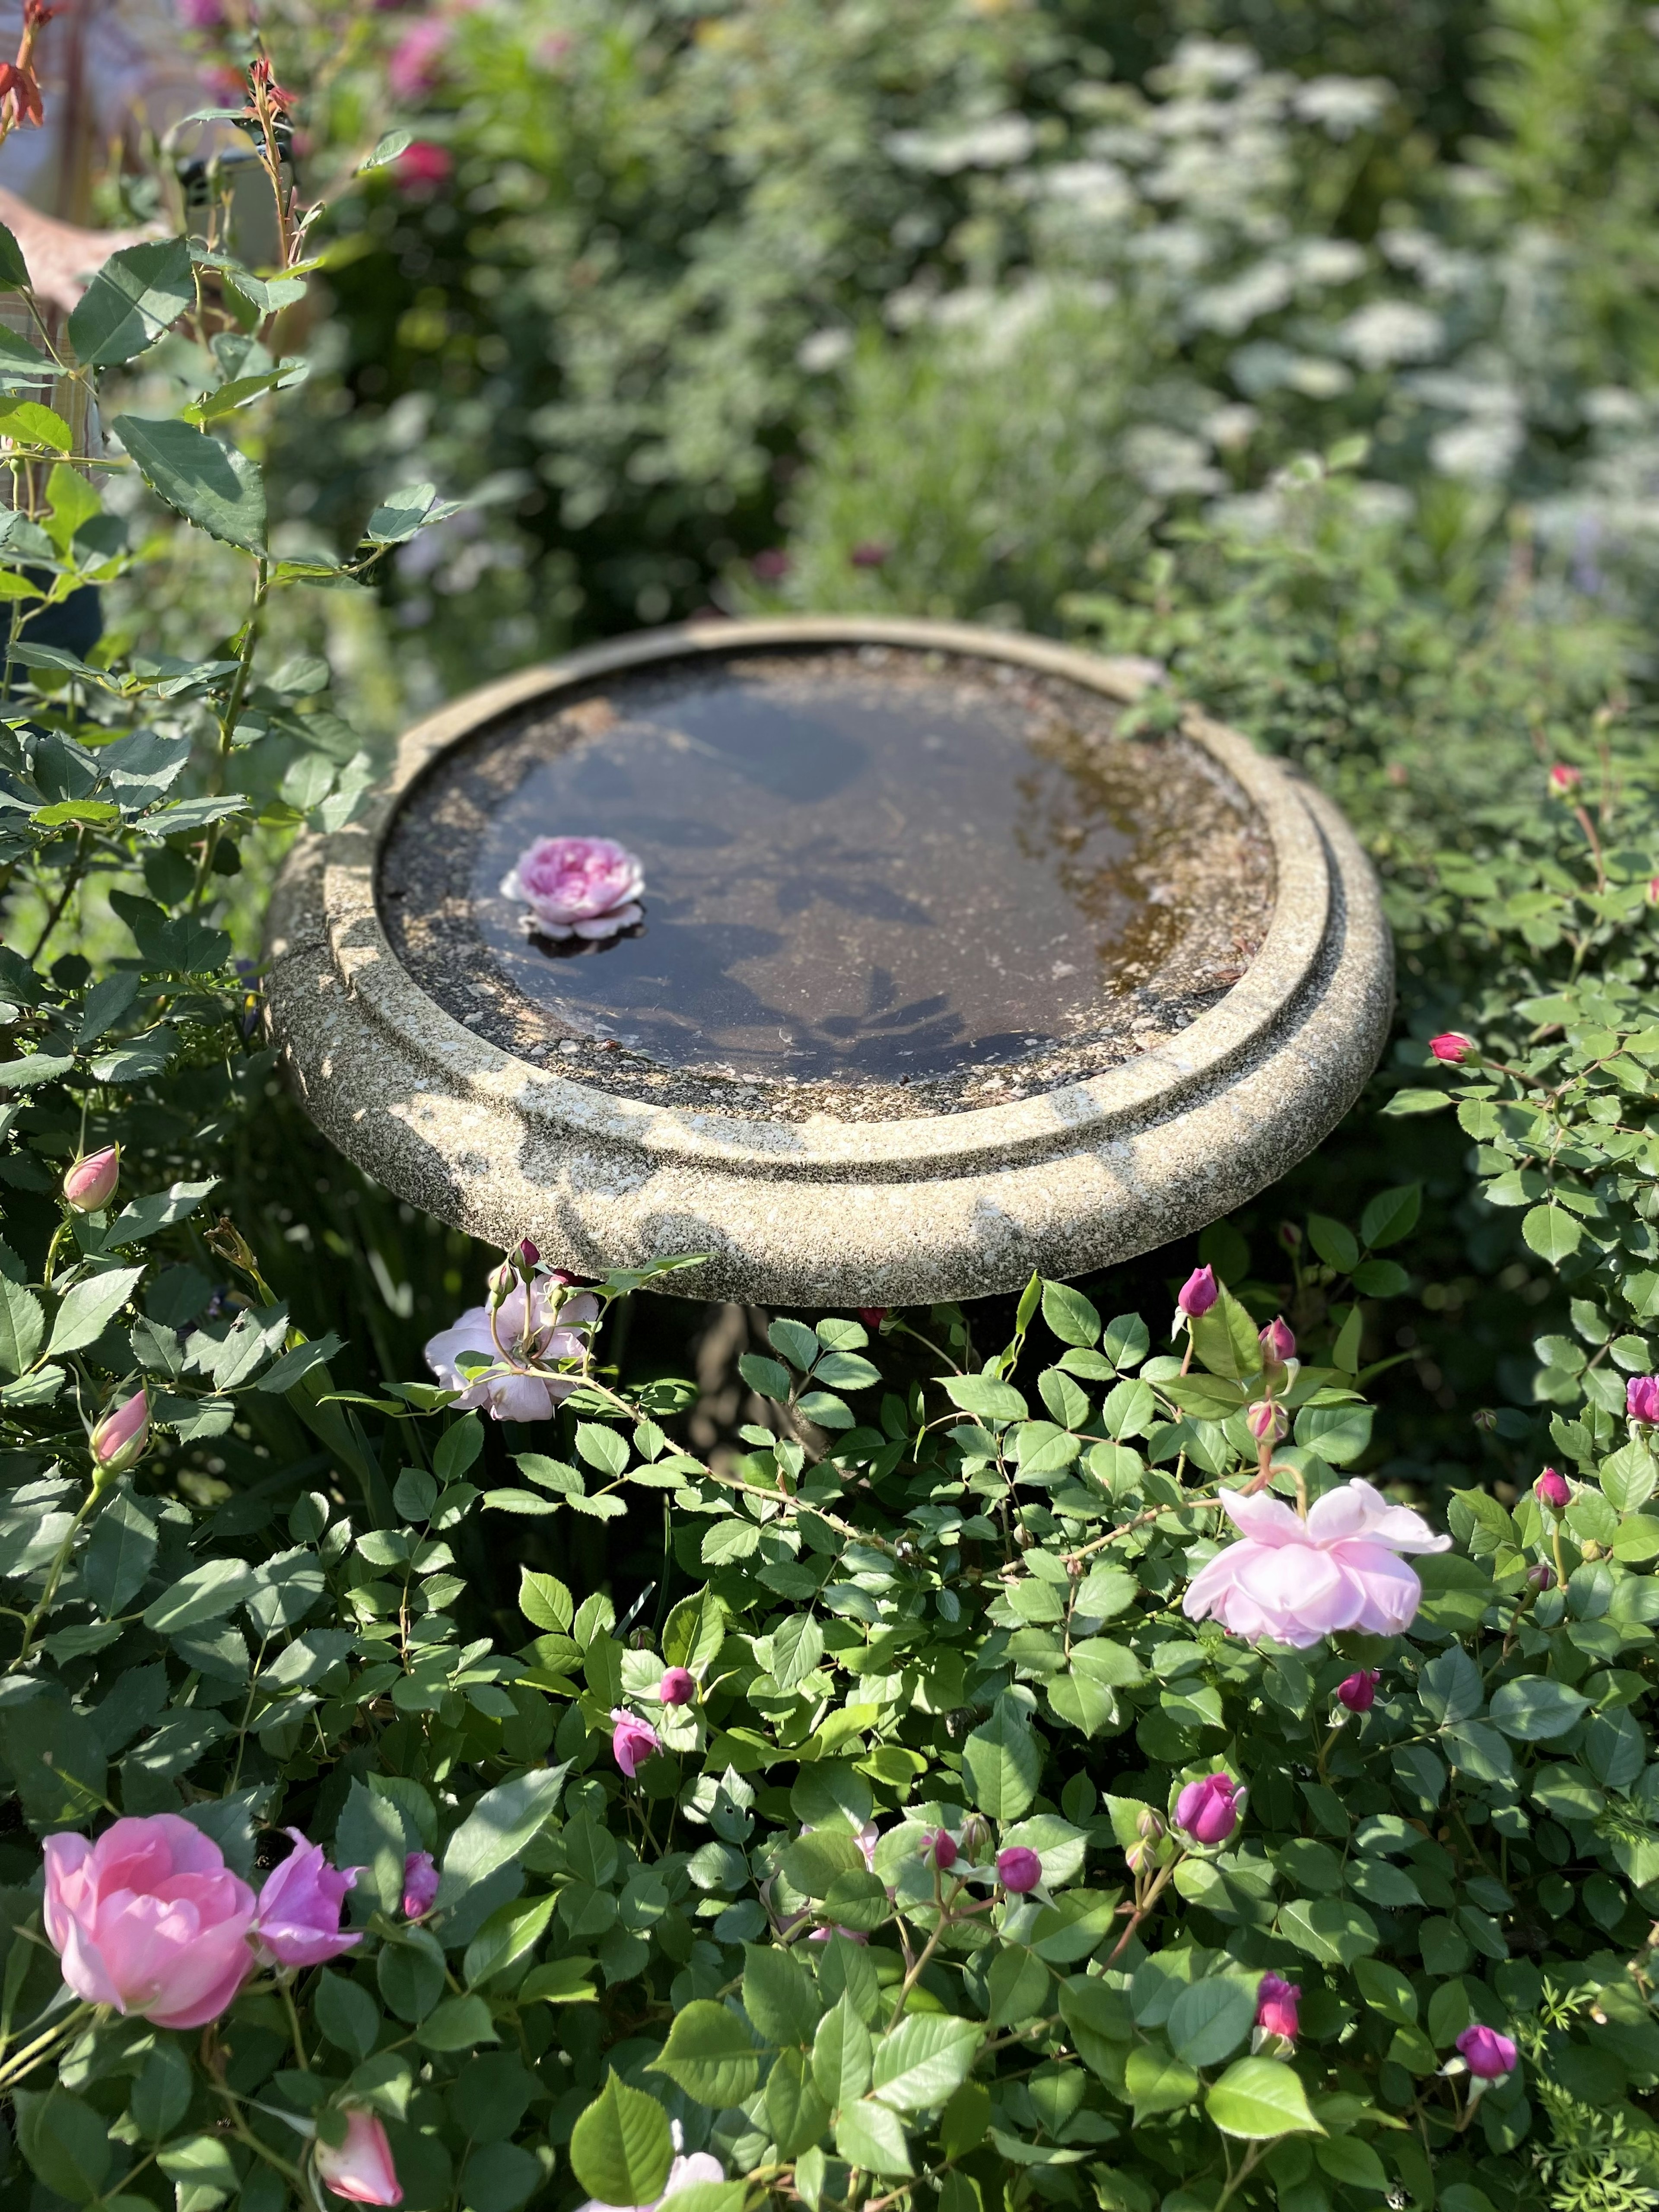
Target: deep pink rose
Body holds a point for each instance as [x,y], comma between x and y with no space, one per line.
[1551,1489]
[577,886]
[300,1908]
[1642,1399]
[419,1883]
[939,1850]
[150,1919]
[1488,2055]
[532,1332]
[1207,1810]
[121,1438]
[90,1183]
[1198,1293]
[422,166]
[1359,1691]
[413,67]
[1452,1045]
[1018,1870]
[632,1741]
[361,2167]
[677,1686]
[1297,1580]
[1276,2006]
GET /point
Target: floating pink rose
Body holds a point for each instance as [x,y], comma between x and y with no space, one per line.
[1451,1045]
[1489,2056]
[632,1741]
[1297,1580]
[1208,1808]
[300,1908]
[1551,1489]
[150,1919]
[419,1883]
[1276,2006]
[1198,1293]
[677,1686]
[531,1329]
[361,2167]
[1642,1399]
[1019,1870]
[90,1184]
[1359,1691]
[586,887]
[121,1438]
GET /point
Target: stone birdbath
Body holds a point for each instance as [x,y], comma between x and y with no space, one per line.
[940,976]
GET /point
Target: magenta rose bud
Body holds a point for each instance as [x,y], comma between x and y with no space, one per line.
[1541,1577]
[300,1906]
[1018,1870]
[678,1687]
[90,1183]
[528,1253]
[150,1919]
[1198,1293]
[120,1439]
[587,887]
[1278,1343]
[1642,1399]
[1207,1810]
[1451,1045]
[361,2167]
[1276,2006]
[1359,1692]
[632,1741]
[1551,1489]
[1565,780]
[939,1850]
[1488,2055]
[1265,1421]
[419,1883]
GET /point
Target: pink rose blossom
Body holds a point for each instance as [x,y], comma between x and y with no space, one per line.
[1488,2055]
[300,1907]
[1642,1399]
[1452,1045]
[1359,1691]
[530,1332]
[90,1183]
[577,886]
[1297,1580]
[1653,890]
[632,1741]
[678,1687]
[1198,1293]
[1551,1489]
[121,1438]
[419,1883]
[1276,2006]
[412,69]
[1208,1809]
[361,2167]
[150,1919]
[1018,1870]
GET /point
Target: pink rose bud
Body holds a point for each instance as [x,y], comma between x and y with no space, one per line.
[120,1439]
[361,2167]
[1207,1810]
[1265,1421]
[300,1906]
[1198,1293]
[1551,1489]
[1565,780]
[1277,1344]
[419,1883]
[90,1183]
[1642,1399]
[150,1919]
[632,1741]
[1488,2055]
[874,1317]
[1452,1045]
[1541,1577]
[678,1687]
[975,1836]
[1018,1870]
[528,1254]
[1276,2006]
[1653,890]
[1359,1692]
[939,1850]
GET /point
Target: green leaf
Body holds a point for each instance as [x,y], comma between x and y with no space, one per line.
[118,1553]
[1329,1929]
[457,2024]
[1338,1247]
[1224,1340]
[388,149]
[347,2014]
[545,1602]
[56,1759]
[89,1308]
[160,2095]
[210,483]
[22,1324]
[209,1592]
[1391,1215]
[841,2055]
[1069,1314]
[133,300]
[1003,1762]
[621,2147]
[766,1377]
[601,1448]
[14,270]
[497,1829]
[1209,2020]
[1534,1708]
[1405,1102]
[158,1209]
[1258,2099]
[402,515]
[795,2112]
[1553,1233]
[846,1371]
[797,1648]
[1337,1433]
[924,2058]
[867,2135]
[1155,2081]
[985,1399]
[694,1630]
[709,2054]
[31,1071]
[779,1997]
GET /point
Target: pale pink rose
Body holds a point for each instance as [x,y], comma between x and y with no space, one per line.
[90,1184]
[529,1333]
[1297,1580]
[420,1884]
[688,2167]
[361,2167]
[577,886]
[632,1741]
[300,1907]
[120,1439]
[150,1919]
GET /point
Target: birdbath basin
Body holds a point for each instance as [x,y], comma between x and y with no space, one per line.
[941,976]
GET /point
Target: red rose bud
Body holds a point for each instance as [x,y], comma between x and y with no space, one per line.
[676,1688]
[1018,1870]
[939,1850]
[1198,1293]
[1267,1422]
[1565,780]
[1541,1577]
[119,1440]
[1642,1399]
[1207,1810]
[1278,1343]
[1452,1045]
[874,1317]
[1551,1489]
[1359,1692]
[90,1183]
[527,1252]
[1276,2006]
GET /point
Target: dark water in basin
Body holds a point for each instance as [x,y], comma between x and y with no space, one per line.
[873,874]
